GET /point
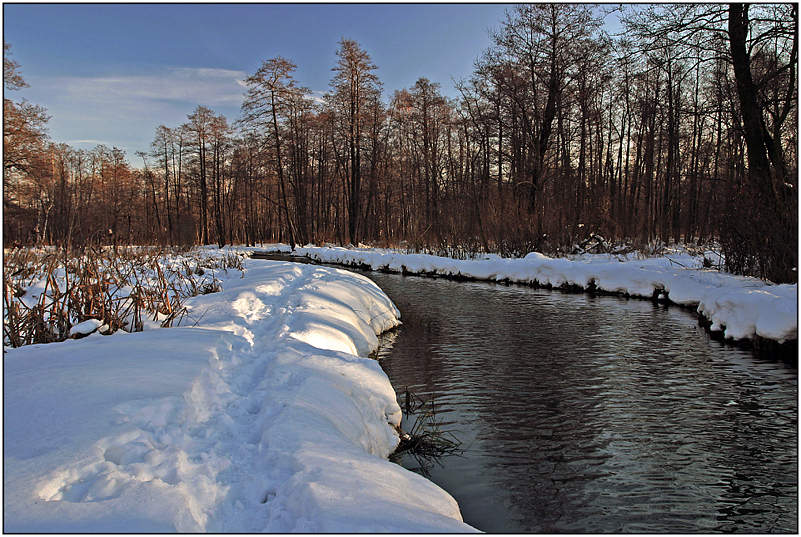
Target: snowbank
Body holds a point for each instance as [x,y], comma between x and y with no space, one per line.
[260,414]
[739,306]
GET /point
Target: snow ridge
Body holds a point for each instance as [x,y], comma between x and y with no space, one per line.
[741,307]
[265,417]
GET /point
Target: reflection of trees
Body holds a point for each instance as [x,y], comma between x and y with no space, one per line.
[419,337]
[582,405]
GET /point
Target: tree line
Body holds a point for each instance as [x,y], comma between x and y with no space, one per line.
[684,128]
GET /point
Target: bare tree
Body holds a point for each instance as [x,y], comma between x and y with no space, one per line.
[270,90]
[353,85]
[199,125]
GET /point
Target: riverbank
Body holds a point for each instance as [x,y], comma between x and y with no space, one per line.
[260,413]
[736,308]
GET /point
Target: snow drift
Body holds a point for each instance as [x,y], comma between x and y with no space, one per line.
[261,414]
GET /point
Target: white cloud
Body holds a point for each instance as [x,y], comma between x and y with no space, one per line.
[123,110]
[90,141]
[318,96]
[207,86]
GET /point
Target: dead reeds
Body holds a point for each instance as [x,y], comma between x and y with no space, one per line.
[47,292]
[426,441]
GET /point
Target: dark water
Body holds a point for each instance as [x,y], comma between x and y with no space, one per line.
[595,414]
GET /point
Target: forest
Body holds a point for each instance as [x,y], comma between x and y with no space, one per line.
[682,128]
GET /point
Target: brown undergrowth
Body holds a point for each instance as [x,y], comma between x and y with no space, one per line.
[48,291]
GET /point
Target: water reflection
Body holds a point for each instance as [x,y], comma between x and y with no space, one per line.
[595,414]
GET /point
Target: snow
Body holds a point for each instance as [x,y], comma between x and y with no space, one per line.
[741,307]
[86,327]
[261,413]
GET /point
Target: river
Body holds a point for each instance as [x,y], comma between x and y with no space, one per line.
[593,414]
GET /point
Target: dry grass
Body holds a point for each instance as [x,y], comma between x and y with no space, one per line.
[48,291]
[427,441]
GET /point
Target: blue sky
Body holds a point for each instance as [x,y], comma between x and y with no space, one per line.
[112,73]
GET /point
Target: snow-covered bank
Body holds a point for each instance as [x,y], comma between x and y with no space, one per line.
[739,306]
[265,416]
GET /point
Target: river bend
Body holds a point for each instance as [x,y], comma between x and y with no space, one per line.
[579,413]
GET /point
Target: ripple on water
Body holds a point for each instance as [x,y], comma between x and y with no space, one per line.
[595,414]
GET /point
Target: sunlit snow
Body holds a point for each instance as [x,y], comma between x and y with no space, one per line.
[266,416]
